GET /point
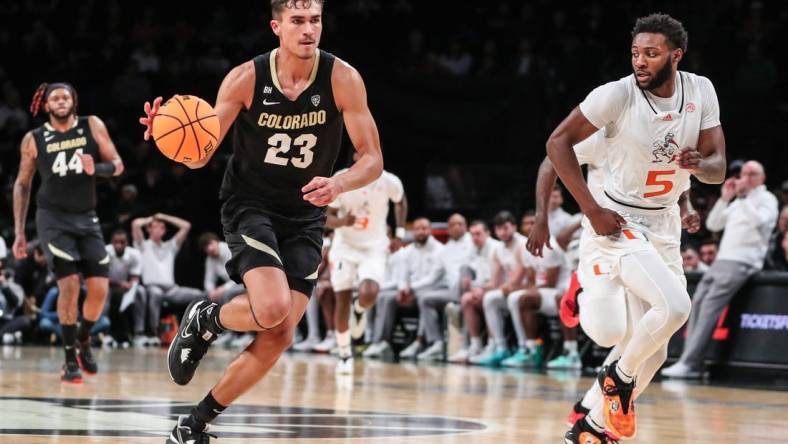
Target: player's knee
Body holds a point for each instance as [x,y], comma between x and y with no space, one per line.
[514,302]
[679,310]
[606,334]
[466,299]
[281,338]
[69,285]
[492,298]
[270,312]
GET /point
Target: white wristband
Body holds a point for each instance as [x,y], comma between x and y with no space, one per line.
[400,233]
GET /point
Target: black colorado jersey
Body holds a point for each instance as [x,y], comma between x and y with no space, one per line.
[279,144]
[64,185]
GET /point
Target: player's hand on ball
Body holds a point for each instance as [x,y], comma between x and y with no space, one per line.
[605,222]
[321,191]
[88,164]
[538,238]
[150,113]
[691,222]
[20,247]
[688,158]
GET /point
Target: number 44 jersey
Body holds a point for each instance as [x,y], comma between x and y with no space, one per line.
[64,184]
[279,144]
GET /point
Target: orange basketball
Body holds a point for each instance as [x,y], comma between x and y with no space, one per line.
[186,128]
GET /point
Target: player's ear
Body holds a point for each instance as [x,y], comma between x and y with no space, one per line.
[678,54]
[275,26]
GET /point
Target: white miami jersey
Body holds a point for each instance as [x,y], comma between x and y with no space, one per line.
[644,133]
[551,258]
[370,206]
[592,152]
[508,255]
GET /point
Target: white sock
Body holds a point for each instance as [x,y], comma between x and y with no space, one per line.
[596,419]
[476,343]
[570,347]
[531,345]
[343,342]
[331,334]
[625,376]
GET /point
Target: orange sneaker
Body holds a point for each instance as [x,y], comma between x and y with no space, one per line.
[619,405]
[583,433]
[568,310]
[578,412]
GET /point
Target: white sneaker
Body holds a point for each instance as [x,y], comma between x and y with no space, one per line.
[306,345]
[153,341]
[433,353]
[345,366]
[680,370]
[140,341]
[411,351]
[453,313]
[358,321]
[326,344]
[8,338]
[378,350]
[476,358]
[461,357]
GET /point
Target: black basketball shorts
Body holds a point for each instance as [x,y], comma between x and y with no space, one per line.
[259,238]
[72,243]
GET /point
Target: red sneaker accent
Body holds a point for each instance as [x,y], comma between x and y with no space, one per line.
[568,310]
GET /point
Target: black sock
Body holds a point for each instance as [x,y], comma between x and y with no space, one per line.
[212,317]
[84,330]
[206,411]
[70,342]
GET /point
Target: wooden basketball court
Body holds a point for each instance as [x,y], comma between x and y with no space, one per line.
[133,400]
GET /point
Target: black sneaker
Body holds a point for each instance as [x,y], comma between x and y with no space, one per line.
[85,358]
[70,373]
[191,342]
[182,434]
[583,433]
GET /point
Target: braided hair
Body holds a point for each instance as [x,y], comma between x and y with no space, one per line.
[42,94]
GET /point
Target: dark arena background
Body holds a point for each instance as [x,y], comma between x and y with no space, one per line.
[465,96]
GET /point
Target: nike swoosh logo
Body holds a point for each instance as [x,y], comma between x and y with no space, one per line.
[104,261]
[47,139]
[192,315]
[266,102]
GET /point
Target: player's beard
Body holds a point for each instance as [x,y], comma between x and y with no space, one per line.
[62,117]
[660,77]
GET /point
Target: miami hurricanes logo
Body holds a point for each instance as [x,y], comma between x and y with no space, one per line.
[665,149]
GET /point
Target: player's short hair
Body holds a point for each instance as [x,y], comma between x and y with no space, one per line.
[119,232]
[480,223]
[205,239]
[659,23]
[503,217]
[528,213]
[277,6]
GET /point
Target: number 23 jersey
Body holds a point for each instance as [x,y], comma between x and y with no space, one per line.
[279,144]
[644,134]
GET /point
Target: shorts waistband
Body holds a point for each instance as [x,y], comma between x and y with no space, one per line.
[615,204]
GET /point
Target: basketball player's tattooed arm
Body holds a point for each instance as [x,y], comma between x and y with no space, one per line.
[574,129]
[707,163]
[401,216]
[111,163]
[22,190]
[539,237]
[350,95]
[235,93]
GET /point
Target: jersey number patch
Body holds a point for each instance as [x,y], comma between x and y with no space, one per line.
[281,143]
[665,185]
[61,167]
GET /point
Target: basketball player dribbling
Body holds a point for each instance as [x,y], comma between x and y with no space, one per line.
[64,151]
[288,107]
[661,126]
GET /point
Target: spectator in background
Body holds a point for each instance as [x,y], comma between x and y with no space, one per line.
[692,261]
[748,220]
[455,259]
[557,218]
[49,322]
[457,61]
[125,268]
[158,264]
[12,297]
[217,253]
[474,286]
[708,252]
[778,244]
[507,276]
[3,249]
[527,221]
[33,274]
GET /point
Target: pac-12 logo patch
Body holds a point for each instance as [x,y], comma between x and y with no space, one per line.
[316,99]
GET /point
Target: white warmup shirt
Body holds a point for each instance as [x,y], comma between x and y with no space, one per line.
[509,256]
[551,258]
[455,255]
[158,261]
[481,261]
[370,206]
[748,223]
[121,268]
[423,267]
[215,268]
[645,132]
